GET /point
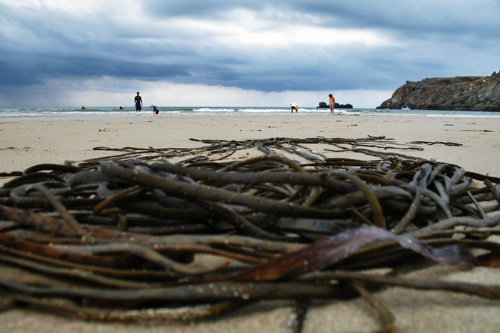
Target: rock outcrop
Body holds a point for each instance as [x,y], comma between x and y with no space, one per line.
[323,105]
[467,93]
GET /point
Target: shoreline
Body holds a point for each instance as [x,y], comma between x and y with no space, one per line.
[170,111]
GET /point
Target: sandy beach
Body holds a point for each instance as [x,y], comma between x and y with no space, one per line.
[26,142]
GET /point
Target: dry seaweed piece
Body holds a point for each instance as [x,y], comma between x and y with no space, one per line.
[328,251]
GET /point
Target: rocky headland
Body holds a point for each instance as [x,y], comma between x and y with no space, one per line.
[467,93]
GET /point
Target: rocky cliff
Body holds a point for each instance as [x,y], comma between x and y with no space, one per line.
[472,93]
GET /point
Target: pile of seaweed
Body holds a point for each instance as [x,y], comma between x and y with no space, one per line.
[187,233]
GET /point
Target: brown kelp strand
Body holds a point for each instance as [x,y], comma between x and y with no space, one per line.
[185,233]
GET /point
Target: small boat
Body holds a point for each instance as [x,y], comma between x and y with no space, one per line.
[406,108]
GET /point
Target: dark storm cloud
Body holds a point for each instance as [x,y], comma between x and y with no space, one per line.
[261,45]
[34,70]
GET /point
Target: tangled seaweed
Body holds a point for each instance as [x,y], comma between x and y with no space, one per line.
[139,236]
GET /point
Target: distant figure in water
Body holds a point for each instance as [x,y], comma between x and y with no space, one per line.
[121,108]
[332,103]
[155,110]
[138,102]
[294,106]
[83,108]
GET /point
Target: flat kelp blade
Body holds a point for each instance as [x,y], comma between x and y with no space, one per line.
[328,251]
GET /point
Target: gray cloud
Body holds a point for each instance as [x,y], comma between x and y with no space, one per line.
[261,45]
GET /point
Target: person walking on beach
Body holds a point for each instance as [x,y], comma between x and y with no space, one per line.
[294,106]
[138,102]
[332,103]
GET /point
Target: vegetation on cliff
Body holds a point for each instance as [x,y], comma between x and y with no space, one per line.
[468,93]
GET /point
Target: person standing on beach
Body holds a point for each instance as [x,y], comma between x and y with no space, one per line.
[294,106]
[138,102]
[332,103]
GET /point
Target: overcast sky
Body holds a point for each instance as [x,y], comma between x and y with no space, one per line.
[60,53]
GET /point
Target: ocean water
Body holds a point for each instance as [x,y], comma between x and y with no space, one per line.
[165,111]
